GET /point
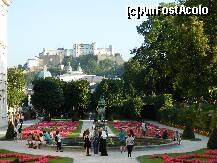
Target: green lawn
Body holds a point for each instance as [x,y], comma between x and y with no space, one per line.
[77,132]
[114,130]
[148,159]
[56,160]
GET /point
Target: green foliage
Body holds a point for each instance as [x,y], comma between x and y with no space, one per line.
[106,64]
[77,97]
[91,65]
[30,77]
[168,100]
[178,56]
[112,91]
[188,133]
[15,87]
[48,96]
[56,71]
[212,143]
[10,131]
[137,105]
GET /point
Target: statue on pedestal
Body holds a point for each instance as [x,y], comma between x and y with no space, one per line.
[101,108]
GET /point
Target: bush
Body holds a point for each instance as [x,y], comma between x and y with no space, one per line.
[16,160]
[212,143]
[165,135]
[10,131]
[188,133]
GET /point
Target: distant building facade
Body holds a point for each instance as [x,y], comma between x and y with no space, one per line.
[79,75]
[34,64]
[54,58]
[84,49]
[4,4]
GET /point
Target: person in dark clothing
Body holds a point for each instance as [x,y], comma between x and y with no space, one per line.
[58,142]
[103,144]
[15,135]
[21,118]
[165,135]
[20,133]
[87,142]
[95,142]
[99,138]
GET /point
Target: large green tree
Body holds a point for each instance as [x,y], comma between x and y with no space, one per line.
[175,58]
[77,97]
[48,96]
[15,87]
[112,91]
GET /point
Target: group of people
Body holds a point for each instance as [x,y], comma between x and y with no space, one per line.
[36,141]
[126,141]
[177,135]
[18,125]
[99,138]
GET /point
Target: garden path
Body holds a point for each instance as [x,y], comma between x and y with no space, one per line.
[87,124]
[114,156]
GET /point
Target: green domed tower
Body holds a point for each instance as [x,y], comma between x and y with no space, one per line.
[44,73]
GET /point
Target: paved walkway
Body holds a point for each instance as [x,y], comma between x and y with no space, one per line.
[114,157]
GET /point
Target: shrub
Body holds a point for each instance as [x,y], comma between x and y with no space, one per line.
[165,135]
[16,160]
[212,143]
[188,133]
[10,131]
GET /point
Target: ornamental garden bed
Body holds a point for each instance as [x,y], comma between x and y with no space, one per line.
[136,127]
[66,128]
[12,157]
[200,156]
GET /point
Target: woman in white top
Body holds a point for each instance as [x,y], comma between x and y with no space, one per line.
[130,143]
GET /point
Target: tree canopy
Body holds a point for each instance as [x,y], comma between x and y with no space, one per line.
[15,87]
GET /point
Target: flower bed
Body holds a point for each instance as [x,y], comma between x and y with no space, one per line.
[136,127]
[209,155]
[26,158]
[64,127]
[199,131]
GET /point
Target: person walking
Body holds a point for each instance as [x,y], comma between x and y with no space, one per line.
[122,139]
[58,142]
[87,142]
[130,143]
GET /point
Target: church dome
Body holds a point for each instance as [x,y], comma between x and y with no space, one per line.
[44,73]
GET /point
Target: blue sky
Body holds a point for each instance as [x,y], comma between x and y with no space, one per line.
[37,24]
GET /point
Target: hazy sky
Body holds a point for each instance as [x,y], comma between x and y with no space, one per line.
[35,24]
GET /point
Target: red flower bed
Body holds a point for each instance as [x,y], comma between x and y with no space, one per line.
[210,155]
[136,127]
[26,158]
[64,127]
